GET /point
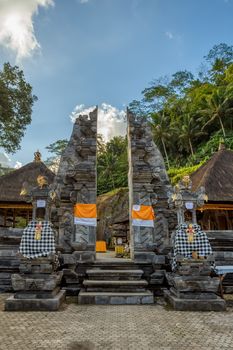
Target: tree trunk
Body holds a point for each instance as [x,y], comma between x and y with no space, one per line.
[191,147]
[221,123]
[165,151]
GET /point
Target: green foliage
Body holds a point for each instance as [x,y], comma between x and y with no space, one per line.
[188,112]
[176,174]
[112,164]
[56,148]
[206,150]
[20,222]
[16,101]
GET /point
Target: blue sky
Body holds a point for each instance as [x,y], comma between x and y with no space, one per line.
[105,51]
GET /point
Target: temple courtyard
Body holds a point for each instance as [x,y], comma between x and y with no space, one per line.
[120,327]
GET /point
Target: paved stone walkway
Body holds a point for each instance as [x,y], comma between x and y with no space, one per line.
[87,327]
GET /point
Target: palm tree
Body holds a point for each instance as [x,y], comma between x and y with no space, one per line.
[160,129]
[218,107]
[187,129]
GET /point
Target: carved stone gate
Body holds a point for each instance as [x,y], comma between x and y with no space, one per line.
[76,183]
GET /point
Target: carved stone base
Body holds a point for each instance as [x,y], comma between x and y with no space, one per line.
[52,304]
[143,256]
[178,304]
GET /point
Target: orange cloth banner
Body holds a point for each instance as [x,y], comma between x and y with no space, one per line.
[85,210]
[145,212]
[85,214]
[143,215]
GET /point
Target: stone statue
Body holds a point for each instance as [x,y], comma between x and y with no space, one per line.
[37,156]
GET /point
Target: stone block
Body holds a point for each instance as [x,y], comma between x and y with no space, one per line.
[144,256]
[51,304]
[193,283]
[36,282]
[195,304]
[157,277]
[109,298]
[36,294]
[33,268]
[193,295]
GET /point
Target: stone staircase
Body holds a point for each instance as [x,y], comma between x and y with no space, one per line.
[115,286]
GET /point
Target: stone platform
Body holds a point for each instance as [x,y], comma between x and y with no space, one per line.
[36,304]
[115,298]
[191,304]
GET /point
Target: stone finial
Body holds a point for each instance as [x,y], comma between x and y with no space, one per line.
[37,156]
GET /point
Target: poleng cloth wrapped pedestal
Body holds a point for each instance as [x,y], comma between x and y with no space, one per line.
[184,246]
[30,247]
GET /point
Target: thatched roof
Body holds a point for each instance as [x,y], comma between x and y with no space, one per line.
[11,184]
[216,175]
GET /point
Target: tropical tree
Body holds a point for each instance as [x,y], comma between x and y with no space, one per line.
[219,105]
[160,129]
[56,148]
[112,164]
[16,101]
[187,130]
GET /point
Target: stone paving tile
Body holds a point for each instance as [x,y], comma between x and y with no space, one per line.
[89,327]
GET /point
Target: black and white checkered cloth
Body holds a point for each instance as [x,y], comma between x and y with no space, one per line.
[182,246]
[32,248]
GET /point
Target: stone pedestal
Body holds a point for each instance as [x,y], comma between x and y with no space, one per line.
[192,288]
[36,287]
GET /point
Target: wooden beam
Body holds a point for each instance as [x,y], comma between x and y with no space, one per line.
[213,206]
[16,206]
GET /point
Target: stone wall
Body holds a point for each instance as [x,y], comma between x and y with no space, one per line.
[148,185]
[9,261]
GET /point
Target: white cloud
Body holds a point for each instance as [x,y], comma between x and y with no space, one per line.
[83,1]
[111,121]
[18,165]
[16,25]
[169,35]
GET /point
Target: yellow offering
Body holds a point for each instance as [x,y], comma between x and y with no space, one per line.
[38,232]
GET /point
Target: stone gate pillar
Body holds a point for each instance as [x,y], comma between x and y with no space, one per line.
[76,183]
[148,185]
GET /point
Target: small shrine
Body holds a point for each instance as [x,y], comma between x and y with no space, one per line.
[192,286]
[37,285]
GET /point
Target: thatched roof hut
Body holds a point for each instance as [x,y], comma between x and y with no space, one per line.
[12,204]
[216,175]
[11,184]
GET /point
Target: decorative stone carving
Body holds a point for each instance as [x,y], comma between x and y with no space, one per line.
[76,183]
[148,185]
[185,200]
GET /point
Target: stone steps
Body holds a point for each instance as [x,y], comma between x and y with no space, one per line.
[117,274]
[117,298]
[115,286]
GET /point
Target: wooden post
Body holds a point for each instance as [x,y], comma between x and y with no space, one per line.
[28,216]
[5,214]
[13,217]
